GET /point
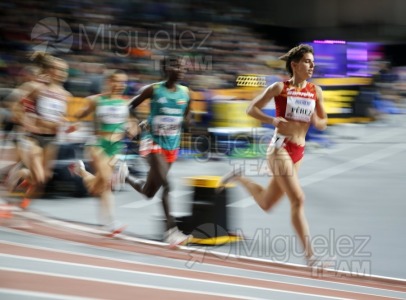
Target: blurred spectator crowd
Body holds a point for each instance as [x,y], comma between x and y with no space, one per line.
[219,40]
[216,39]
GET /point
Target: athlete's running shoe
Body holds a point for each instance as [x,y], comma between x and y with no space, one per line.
[230,177]
[114,228]
[25,203]
[174,237]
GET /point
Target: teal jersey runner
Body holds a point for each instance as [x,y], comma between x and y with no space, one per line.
[167,109]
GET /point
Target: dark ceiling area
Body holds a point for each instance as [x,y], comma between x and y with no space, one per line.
[357,20]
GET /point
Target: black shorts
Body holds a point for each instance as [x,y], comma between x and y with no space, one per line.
[8,126]
[42,140]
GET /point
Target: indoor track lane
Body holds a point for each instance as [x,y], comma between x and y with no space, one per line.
[61,260]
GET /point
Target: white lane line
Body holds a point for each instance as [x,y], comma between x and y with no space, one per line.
[80,229]
[335,170]
[226,271]
[188,249]
[40,295]
[225,286]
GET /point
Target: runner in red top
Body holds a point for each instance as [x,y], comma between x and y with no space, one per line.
[295,104]
[299,103]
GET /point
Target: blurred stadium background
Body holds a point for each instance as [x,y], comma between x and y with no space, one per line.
[220,40]
[231,49]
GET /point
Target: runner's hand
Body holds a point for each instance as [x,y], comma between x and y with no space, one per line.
[279,122]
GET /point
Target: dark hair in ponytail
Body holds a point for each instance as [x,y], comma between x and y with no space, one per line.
[295,54]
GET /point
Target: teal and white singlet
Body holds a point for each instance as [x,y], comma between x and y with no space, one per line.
[167,109]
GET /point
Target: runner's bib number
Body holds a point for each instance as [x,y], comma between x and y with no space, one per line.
[112,114]
[166,125]
[51,109]
[299,109]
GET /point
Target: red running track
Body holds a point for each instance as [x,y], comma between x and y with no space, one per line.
[137,269]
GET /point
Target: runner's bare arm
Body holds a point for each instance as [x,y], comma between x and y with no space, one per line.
[319,117]
[259,102]
[90,108]
[133,128]
[145,94]
[27,90]
[187,116]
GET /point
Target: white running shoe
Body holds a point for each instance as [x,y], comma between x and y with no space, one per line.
[174,237]
[114,228]
[230,177]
